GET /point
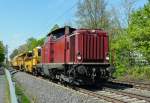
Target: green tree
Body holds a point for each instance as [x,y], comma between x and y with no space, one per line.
[92,14]
[121,49]
[128,9]
[22,48]
[139,30]
[31,43]
[14,53]
[40,41]
[2,52]
[28,46]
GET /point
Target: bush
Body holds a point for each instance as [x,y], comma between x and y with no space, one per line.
[120,71]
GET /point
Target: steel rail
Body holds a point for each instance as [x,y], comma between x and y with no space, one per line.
[132,95]
[100,96]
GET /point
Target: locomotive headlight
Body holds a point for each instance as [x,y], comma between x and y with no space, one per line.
[107,58]
[79,56]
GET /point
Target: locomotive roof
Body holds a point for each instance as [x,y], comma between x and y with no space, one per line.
[61,30]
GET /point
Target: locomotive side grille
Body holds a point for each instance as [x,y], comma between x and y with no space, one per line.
[98,46]
[92,48]
[102,47]
[72,48]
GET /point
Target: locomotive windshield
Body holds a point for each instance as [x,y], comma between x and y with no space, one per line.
[60,32]
[57,35]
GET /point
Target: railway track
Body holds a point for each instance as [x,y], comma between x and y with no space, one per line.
[114,96]
[129,95]
[100,96]
[111,95]
[138,85]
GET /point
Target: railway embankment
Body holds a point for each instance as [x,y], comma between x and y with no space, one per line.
[4,87]
[22,97]
[43,91]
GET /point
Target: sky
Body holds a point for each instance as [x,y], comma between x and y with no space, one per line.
[22,19]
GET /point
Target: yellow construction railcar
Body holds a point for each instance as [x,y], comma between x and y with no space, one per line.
[27,61]
[28,64]
[18,61]
[14,63]
[32,59]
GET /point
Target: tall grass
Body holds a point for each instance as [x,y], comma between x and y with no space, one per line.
[134,73]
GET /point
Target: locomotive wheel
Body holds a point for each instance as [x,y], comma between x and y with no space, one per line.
[81,70]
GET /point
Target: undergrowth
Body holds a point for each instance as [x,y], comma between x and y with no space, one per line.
[134,73]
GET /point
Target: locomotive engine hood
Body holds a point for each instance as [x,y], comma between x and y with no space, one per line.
[91,46]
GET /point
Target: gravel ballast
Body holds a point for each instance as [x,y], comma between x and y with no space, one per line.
[43,91]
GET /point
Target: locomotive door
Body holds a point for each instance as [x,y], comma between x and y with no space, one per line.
[51,52]
[67,50]
[72,48]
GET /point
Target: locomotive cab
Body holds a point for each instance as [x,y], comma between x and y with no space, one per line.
[28,61]
[32,59]
[36,59]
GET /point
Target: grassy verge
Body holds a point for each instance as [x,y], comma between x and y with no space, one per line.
[21,95]
[19,92]
[7,92]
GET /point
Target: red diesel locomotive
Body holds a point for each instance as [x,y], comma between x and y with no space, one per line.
[76,56]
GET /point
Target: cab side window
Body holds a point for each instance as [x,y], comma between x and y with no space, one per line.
[39,52]
[58,35]
[30,54]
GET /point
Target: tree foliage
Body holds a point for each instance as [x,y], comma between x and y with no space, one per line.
[92,14]
[121,49]
[128,9]
[14,53]
[2,52]
[28,46]
[133,40]
[32,43]
[139,30]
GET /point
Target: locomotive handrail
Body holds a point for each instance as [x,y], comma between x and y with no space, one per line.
[13,96]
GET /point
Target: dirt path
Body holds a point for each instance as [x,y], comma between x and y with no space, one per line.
[2,88]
